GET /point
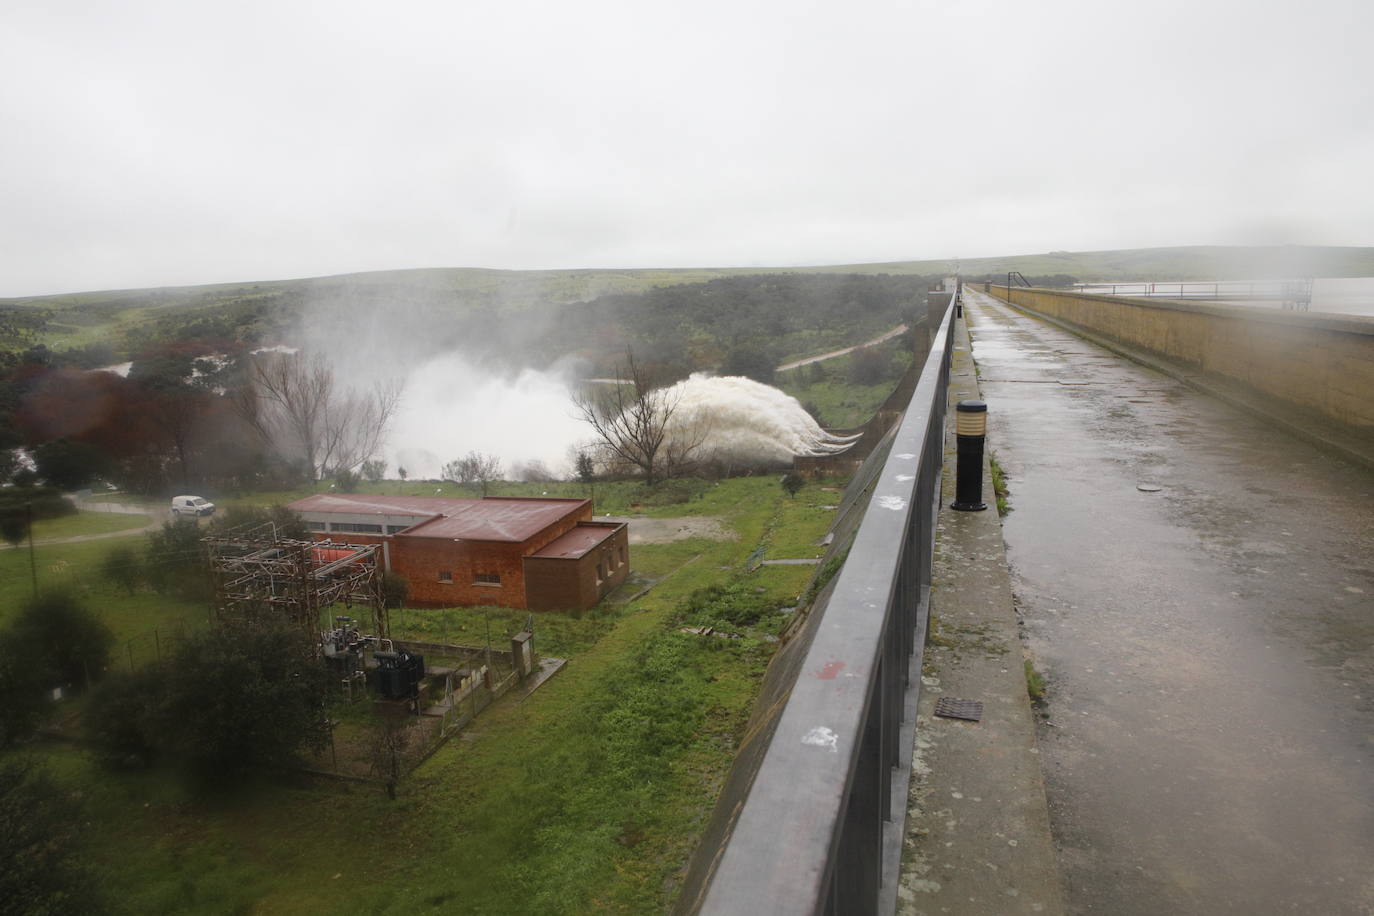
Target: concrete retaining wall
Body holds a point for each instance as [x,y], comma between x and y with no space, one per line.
[1318,363]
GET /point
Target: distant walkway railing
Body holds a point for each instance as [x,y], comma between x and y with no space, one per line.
[819,829]
[1294,295]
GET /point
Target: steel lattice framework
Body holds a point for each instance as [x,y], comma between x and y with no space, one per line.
[260,577]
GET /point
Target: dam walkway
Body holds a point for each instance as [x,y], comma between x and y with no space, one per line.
[1197,589]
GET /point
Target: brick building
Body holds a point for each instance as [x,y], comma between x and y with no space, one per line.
[542,554]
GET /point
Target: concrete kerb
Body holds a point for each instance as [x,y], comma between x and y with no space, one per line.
[1291,420]
[978,832]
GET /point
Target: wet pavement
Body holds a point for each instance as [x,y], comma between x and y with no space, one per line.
[1198,589]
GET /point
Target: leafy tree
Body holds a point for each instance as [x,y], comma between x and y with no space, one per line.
[792,482]
[474,467]
[374,469]
[751,361]
[586,467]
[14,524]
[402,473]
[242,697]
[175,559]
[346,481]
[9,463]
[63,636]
[69,465]
[42,866]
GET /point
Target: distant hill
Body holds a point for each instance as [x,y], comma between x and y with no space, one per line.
[266,307]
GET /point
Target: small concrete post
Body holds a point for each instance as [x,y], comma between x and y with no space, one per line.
[970,428]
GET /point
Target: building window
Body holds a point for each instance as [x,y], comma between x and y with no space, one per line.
[356,528]
[446,576]
[486,578]
[622,556]
[600,573]
[396,529]
[315,526]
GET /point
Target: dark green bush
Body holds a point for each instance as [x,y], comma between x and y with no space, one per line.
[122,718]
[123,567]
[47,502]
[672,492]
[63,637]
[42,867]
[23,697]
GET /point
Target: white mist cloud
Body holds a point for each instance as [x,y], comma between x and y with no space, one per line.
[450,407]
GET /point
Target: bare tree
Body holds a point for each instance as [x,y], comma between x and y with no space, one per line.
[474,467]
[295,407]
[634,423]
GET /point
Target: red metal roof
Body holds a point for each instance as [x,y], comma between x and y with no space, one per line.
[493,518]
[579,540]
[355,504]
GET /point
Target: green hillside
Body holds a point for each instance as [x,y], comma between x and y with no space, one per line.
[131,316]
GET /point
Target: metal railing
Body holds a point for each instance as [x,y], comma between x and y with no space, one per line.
[1292,295]
[820,827]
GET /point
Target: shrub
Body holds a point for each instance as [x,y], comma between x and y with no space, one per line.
[175,562]
[42,869]
[243,697]
[123,568]
[347,481]
[733,605]
[870,366]
[23,697]
[672,492]
[122,718]
[792,482]
[61,636]
[395,589]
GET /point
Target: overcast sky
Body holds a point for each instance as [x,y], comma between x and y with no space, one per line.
[147,144]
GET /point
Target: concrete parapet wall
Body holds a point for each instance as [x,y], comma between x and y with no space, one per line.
[1319,363]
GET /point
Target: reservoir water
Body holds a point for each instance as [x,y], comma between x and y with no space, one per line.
[1334,295]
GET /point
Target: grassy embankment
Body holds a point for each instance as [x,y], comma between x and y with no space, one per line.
[77,319]
[829,387]
[585,797]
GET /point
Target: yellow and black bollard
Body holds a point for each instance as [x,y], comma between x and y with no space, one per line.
[971,429]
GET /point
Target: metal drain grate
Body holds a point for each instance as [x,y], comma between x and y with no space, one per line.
[954,708]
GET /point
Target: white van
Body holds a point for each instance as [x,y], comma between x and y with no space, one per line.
[191,505]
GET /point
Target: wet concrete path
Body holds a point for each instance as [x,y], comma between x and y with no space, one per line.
[1209,646]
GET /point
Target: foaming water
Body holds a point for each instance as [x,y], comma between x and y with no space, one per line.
[451,407]
[747,422]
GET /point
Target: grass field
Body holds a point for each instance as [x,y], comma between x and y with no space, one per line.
[83,523]
[586,797]
[839,402]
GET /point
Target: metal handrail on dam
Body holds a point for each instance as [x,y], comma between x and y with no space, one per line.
[819,828]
